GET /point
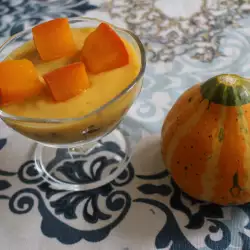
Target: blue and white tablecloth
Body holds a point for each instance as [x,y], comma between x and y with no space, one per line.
[187,41]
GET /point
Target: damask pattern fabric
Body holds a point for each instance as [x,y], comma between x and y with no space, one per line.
[143,209]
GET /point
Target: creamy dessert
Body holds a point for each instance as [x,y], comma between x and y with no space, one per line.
[68,73]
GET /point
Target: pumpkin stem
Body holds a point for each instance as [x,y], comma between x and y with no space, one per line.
[227,89]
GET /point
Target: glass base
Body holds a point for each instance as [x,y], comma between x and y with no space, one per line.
[86,167]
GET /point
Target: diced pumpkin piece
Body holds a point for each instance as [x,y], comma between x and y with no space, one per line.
[18,80]
[104,50]
[54,39]
[68,81]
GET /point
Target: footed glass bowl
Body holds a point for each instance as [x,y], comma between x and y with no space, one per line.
[91,149]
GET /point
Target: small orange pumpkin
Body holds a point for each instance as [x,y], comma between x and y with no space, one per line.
[206,140]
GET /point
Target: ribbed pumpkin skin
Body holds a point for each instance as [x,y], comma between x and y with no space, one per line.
[206,145]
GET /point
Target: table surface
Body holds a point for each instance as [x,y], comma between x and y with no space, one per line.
[187,42]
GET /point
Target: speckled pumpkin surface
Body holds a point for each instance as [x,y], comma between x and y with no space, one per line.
[206,140]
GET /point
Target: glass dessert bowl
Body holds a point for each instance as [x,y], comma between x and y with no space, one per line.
[78,139]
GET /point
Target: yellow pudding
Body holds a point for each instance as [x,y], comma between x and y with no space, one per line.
[104,87]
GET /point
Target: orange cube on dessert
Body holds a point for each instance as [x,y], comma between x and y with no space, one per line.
[54,39]
[104,50]
[18,80]
[68,81]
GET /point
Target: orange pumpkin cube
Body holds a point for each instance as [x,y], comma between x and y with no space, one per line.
[18,80]
[104,50]
[54,39]
[68,81]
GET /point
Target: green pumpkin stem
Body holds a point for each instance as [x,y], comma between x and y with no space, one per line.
[227,89]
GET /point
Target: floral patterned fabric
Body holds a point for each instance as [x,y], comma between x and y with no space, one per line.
[143,209]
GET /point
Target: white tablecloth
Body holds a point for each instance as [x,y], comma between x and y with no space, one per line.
[187,42]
